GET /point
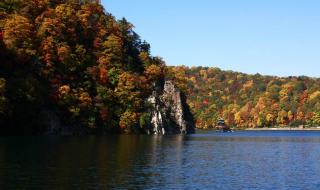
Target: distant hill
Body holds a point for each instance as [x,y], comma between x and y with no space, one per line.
[245,100]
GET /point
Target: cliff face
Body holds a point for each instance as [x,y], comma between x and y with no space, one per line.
[169,112]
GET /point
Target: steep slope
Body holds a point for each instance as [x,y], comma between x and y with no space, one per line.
[72,61]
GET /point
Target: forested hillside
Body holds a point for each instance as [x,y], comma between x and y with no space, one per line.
[74,60]
[248,100]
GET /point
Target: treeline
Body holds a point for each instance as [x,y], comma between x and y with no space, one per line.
[248,100]
[74,59]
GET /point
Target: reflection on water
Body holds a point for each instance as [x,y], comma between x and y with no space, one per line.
[239,160]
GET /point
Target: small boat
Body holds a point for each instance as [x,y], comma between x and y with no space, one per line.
[221,126]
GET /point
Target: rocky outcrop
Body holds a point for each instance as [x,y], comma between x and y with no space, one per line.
[168,109]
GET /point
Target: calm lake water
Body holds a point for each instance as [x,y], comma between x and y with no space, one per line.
[207,160]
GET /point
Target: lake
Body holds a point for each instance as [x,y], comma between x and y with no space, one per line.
[206,160]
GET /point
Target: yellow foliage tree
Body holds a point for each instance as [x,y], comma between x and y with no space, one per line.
[18,35]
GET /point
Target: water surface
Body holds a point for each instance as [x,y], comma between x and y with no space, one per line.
[207,160]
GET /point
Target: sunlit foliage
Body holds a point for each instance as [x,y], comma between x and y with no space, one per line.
[74,59]
[248,100]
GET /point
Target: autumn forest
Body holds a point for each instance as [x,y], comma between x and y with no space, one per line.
[248,100]
[76,61]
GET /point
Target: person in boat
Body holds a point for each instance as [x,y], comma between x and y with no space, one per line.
[221,125]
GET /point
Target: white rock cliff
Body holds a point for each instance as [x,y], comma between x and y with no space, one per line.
[169,111]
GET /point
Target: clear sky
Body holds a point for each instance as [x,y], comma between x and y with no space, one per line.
[274,37]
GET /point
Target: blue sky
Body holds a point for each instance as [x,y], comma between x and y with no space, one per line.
[274,37]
